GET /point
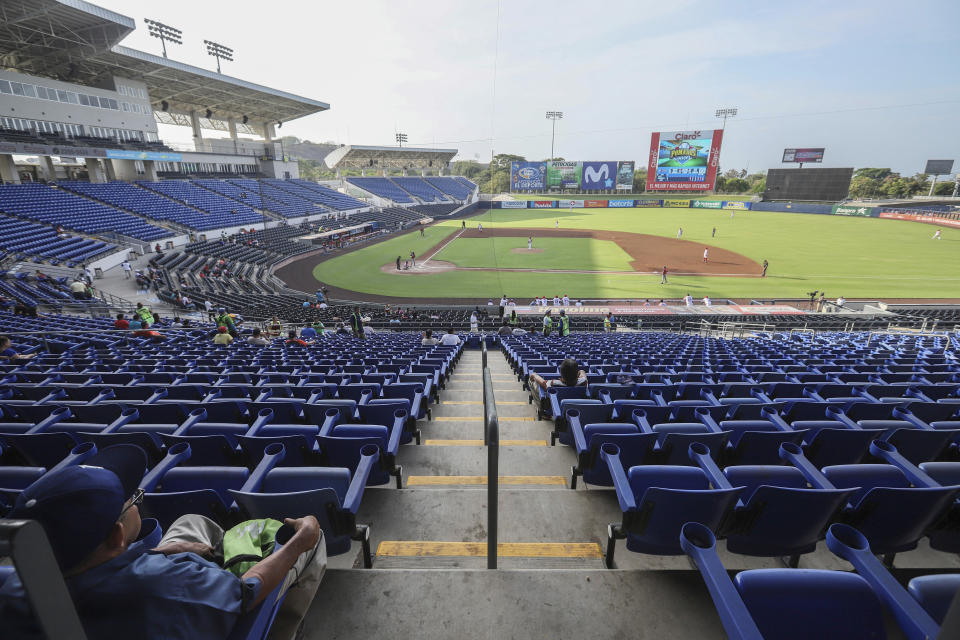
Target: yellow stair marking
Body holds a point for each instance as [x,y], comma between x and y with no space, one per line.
[505,480]
[479,549]
[480,419]
[475,443]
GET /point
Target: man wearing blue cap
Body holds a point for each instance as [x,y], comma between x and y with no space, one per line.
[128,582]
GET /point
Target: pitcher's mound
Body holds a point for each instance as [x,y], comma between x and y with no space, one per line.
[522,250]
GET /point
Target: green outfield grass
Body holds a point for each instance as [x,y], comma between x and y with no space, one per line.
[558,253]
[853,257]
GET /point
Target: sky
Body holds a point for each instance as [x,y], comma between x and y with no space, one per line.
[875,83]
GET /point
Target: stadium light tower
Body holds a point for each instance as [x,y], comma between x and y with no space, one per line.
[219,52]
[726,113]
[165,32]
[553,116]
[401,138]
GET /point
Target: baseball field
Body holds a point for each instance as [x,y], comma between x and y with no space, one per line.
[618,253]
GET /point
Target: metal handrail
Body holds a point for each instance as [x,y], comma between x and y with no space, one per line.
[491,439]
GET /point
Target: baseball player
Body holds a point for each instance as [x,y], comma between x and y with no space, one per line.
[936,235]
[529,243]
[679,232]
[706,254]
[663,275]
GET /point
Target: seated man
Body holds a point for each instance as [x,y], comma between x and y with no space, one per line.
[505,329]
[570,376]
[292,339]
[222,336]
[121,322]
[450,339]
[125,585]
[308,333]
[9,354]
[258,339]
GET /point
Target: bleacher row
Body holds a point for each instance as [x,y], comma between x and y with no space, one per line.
[404,189]
[225,428]
[772,445]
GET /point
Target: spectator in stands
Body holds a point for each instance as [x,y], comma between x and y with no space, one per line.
[320,297]
[308,333]
[564,324]
[9,354]
[146,332]
[177,323]
[78,289]
[224,319]
[292,339]
[144,314]
[428,340]
[474,327]
[222,336]
[24,309]
[342,329]
[318,327]
[135,323]
[127,269]
[129,582]
[570,376]
[513,318]
[450,339]
[547,324]
[121,322]
[208,307]
[257,339]
[504,329]
[356,323]
[609,322]
[275,327]
[188,303]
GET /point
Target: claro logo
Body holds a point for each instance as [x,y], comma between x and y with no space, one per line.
[592,175]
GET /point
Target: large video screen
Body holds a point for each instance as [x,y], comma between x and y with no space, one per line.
[564,175]
[528,176]
[683,160]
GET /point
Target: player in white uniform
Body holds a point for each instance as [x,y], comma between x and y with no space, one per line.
[529,243]
[936,235]
[679,232]
[706,254]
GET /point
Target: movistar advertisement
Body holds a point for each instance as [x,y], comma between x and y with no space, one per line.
[683,160]
[527,176]
[599,176]
[564,175]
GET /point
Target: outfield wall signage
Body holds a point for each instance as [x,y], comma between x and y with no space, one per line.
[651,203]
[599,175]
[706,204]
[848,210]
[919,217]
[683,160]
[513,204]
[543,204]
[571,204]
[657,310]
[592,204]
[675,203]
[564,175]
[619,204]
[736,204]
[625,175]
[528,176]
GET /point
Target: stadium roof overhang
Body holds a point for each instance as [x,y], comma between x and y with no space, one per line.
[75,41]
[358,157]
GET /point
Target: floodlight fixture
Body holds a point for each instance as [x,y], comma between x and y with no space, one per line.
[164,32]
[401,138]
[219,51]
[553,116]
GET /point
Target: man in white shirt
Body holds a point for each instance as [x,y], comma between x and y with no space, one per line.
[579,303]
[127,269]
[688,300]
[450,339]
[566,300]
[707,302]
[841,301]
[187,303]
[556,301]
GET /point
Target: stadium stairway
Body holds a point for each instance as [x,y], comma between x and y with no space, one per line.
[429,579]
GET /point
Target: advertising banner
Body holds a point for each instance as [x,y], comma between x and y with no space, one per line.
[599,175]
[847,210]
[564,175]
[706,204]
[571,204]
[625,175]
[683,204]
[528,176]
[683,160]
[591,204]
[619,204]
[159,156]
[543,204]
[736,204]
[938,167]
[803,155]
[513,204]
[656,203]
[919,217]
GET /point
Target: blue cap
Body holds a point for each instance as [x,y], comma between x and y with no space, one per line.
[78,505]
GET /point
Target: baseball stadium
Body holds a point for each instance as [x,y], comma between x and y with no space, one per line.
[256,387]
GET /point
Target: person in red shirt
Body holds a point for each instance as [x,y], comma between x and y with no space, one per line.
[293,339]
[121,322]
[663,275]
[147,332]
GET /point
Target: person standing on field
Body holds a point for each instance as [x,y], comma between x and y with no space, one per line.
[529,243]
[706,255]
[936,235]
[763,274]
[679,233]
[663,275]
[557,224]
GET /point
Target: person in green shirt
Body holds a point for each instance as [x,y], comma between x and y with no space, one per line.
[514,320]
[564,324]
[547,324]
[224,320]
[318,327]
[144,313]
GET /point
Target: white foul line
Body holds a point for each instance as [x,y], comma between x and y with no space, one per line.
[424,263]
